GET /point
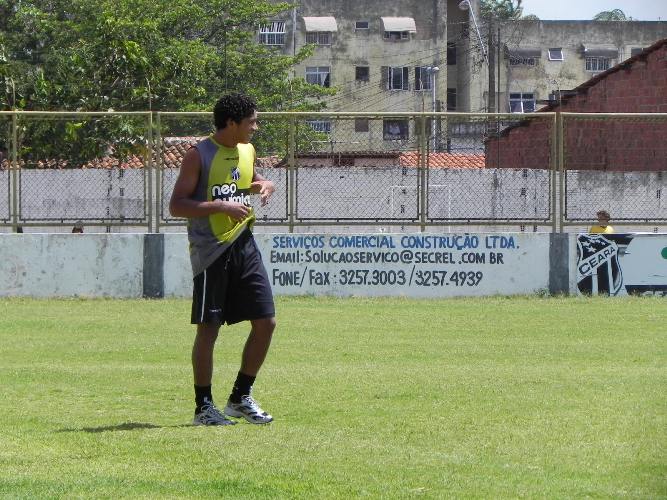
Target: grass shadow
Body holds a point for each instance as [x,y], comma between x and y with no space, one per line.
[125,426]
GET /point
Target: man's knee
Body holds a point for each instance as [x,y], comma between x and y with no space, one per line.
[208,332]
[264,326]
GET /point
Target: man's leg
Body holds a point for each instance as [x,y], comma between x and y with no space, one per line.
[257,345]
[202,353]
[240,403]
[202,368]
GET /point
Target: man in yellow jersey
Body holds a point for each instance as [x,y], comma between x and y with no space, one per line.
[603,223]
[213,191]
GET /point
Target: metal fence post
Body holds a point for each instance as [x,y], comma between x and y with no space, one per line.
[156,149]
[14,166]
[291,171]
[555,137]
[561,168]
[149,164]
[422,193]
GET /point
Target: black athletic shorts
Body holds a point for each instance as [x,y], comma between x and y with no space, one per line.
[234,288]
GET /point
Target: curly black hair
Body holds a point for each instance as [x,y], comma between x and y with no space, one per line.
[234,106]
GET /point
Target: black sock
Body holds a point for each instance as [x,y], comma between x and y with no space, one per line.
[242,387]
[203,395]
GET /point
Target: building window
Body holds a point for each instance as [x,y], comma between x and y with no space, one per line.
[361,125]
[361,73]
[422,78]
[398,78]
[272,33]
[523,61]
[451,99]
[597,64]
[556,54]
[522,102]
[636,51]
[319,37]
[395,130]
[361,25]
[323,126]
[395,36]
[451,53]
[318,75]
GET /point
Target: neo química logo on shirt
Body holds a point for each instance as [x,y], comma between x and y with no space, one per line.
[230,192]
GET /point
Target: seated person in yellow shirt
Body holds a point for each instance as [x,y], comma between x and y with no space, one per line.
[603,223]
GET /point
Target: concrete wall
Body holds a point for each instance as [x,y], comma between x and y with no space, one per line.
[417,264]
[352,193]
[71,265]
[48,194]
[425,265]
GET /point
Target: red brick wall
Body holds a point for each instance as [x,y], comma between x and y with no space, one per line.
[623,145]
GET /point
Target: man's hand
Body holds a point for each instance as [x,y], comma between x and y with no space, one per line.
[264,188]
[236,211]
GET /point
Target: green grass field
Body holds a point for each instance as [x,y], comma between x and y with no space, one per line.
[490,398]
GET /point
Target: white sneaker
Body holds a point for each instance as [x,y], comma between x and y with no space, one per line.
[248,409]
[210,415]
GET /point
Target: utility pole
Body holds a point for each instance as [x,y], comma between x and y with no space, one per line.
[433,71]
[465,5]
[498,59]
[492,71]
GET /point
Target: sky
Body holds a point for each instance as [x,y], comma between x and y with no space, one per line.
[641,10]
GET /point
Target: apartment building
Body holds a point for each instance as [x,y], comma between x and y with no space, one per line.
[429,55]
[542,61]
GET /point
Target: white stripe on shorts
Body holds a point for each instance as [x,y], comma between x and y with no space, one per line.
[203,299]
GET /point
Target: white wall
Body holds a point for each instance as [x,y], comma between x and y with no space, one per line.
[112,265]
[412,265]
[177,269]
[71,265]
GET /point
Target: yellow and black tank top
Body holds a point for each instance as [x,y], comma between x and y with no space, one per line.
[226,174]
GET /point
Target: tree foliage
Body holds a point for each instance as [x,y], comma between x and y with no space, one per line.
[501,9]
[138,55]
[504,10]
[611,15]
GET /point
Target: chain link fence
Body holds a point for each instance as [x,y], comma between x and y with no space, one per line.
[474,179]
[90,168]
[486,172]
[348,170]
[5,167]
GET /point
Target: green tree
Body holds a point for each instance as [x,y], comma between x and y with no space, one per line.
[136,55]
[501,9]
[611,15]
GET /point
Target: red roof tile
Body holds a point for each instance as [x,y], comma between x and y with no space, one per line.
[444,160]
[176,147]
